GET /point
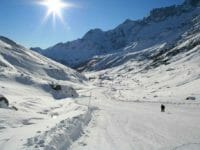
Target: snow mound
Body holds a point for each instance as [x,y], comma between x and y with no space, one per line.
[63,134]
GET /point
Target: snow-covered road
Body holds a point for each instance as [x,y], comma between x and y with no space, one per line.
[121,125]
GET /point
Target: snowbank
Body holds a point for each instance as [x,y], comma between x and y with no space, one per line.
[63,134]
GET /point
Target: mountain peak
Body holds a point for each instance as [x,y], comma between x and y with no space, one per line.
[93,32]
[127,21]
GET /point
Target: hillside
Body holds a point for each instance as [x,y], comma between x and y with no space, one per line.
[41,95]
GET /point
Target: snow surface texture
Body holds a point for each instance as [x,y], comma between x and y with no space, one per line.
[63,134]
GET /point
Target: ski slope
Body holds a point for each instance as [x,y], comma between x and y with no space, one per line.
[121,125]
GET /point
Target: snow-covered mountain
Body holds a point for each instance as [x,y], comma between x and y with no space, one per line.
[17,58]
[27,67]
[164,26]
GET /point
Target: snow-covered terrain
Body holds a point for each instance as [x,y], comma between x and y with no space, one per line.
[129,96]
[144,64]
[40,115]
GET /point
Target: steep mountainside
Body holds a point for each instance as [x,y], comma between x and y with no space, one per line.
[164,26]
[18,64]
[158,54]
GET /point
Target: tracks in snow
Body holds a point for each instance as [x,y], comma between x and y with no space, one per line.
[119,125]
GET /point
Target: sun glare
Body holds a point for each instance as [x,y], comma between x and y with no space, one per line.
[55,7]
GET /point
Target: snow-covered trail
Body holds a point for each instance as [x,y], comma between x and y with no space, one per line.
[128,125]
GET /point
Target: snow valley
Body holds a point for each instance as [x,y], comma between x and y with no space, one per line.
[114,103]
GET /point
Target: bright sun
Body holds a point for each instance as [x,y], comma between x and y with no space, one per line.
[55,7]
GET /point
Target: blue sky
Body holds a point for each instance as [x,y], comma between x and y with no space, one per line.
[22,20]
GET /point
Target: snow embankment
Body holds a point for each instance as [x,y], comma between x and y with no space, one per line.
[63,134]
[40,120]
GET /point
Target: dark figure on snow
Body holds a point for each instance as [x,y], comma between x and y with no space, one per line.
[3,102]
[162,108]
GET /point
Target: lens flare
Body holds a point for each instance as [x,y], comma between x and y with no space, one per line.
[54,8]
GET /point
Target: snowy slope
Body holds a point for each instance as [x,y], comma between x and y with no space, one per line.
[25,78]
[131,36]
[24,61]
[129,97]
[29,68]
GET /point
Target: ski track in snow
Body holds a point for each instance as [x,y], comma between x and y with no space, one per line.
[121,125]
[128,115]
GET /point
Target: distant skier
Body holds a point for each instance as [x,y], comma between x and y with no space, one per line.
[162,108]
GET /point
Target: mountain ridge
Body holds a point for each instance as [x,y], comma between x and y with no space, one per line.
[130,33]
